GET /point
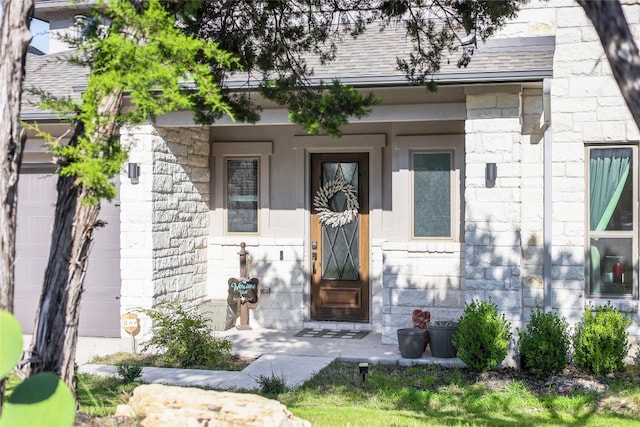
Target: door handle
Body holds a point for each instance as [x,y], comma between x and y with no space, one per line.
[314,258]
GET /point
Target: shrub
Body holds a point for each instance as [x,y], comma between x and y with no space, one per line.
[129,372]
[544,344]
[272,386]
[600,341]
[483,336]
[185,337]
[636,357]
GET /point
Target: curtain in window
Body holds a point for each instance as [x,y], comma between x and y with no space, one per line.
[608,172]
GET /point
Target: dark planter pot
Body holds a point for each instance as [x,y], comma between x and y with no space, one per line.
[440,336]
[411,342]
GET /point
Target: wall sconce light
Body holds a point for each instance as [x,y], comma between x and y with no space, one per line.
[133,173]
[490,175]
[364,369]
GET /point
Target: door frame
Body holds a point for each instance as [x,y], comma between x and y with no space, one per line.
[356,289]
[304,146]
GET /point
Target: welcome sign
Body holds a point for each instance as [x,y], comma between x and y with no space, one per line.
[243,290]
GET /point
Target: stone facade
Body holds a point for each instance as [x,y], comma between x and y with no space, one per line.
[165,217]
[587,108]
[493,233]
[420,275]
[174,244]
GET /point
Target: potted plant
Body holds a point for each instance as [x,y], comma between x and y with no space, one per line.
[440,338]
[411,342]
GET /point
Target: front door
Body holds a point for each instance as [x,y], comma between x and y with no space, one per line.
[340,237]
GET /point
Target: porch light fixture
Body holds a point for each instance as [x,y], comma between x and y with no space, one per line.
[490,175]
[133,172]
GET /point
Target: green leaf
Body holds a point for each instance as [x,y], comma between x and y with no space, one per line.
[10,343]
[41,400]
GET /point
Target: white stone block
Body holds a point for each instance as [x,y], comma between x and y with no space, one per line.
[571,16]
[505,300]
[496,126]
[481,102]
[508,101]
[568,35]
[567,273]
[567,299]
[614,131]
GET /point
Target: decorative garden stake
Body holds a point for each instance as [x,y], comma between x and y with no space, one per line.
[131,325]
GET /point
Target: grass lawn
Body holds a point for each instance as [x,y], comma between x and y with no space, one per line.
[428,395]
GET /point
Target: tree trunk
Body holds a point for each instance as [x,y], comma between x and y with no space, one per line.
[53,346]
[57,315]
[14,42]
[621,50]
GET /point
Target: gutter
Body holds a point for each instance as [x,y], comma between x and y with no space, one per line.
[401,81]
[547,195]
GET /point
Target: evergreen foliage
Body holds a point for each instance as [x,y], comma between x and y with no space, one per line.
[167,56]
[544,343]
[145,56]
[601,340]
[483,336]
[185,337]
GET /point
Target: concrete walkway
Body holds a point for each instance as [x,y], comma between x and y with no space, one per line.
[279,353]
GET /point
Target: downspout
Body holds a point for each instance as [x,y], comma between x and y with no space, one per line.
[547,195]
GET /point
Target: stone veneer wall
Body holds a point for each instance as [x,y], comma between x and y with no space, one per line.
[493,216]
[532,200]
[424,275]
[165,218]
[587,108]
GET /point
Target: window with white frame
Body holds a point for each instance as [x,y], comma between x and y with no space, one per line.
[242,195]
[240,187]
[612,242]
[433,193]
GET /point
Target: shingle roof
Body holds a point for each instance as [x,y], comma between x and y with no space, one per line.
[368,61]
[52,73]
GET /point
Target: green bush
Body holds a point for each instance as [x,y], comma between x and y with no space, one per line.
[185,337]
[272,386]
[600,341]
[129,372]
[544,344]
[483,336]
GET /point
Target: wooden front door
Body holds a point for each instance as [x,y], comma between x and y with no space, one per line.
[340,244]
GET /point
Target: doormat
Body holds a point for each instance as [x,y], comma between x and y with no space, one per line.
[331,333]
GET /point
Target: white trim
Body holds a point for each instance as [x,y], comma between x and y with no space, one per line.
[632,234]
[381,113]
[220,152]
[402,183]
[368,143]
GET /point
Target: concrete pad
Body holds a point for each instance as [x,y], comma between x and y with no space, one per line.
[188,377]
[101,370]
[295,370]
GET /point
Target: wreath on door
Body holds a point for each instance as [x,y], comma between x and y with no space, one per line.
[326,215]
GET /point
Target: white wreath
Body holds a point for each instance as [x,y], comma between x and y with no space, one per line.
[328,217]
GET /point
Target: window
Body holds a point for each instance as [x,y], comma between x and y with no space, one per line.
[612,217]
[242,195]
[432,194]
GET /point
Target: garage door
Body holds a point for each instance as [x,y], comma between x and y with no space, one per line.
[100,310]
